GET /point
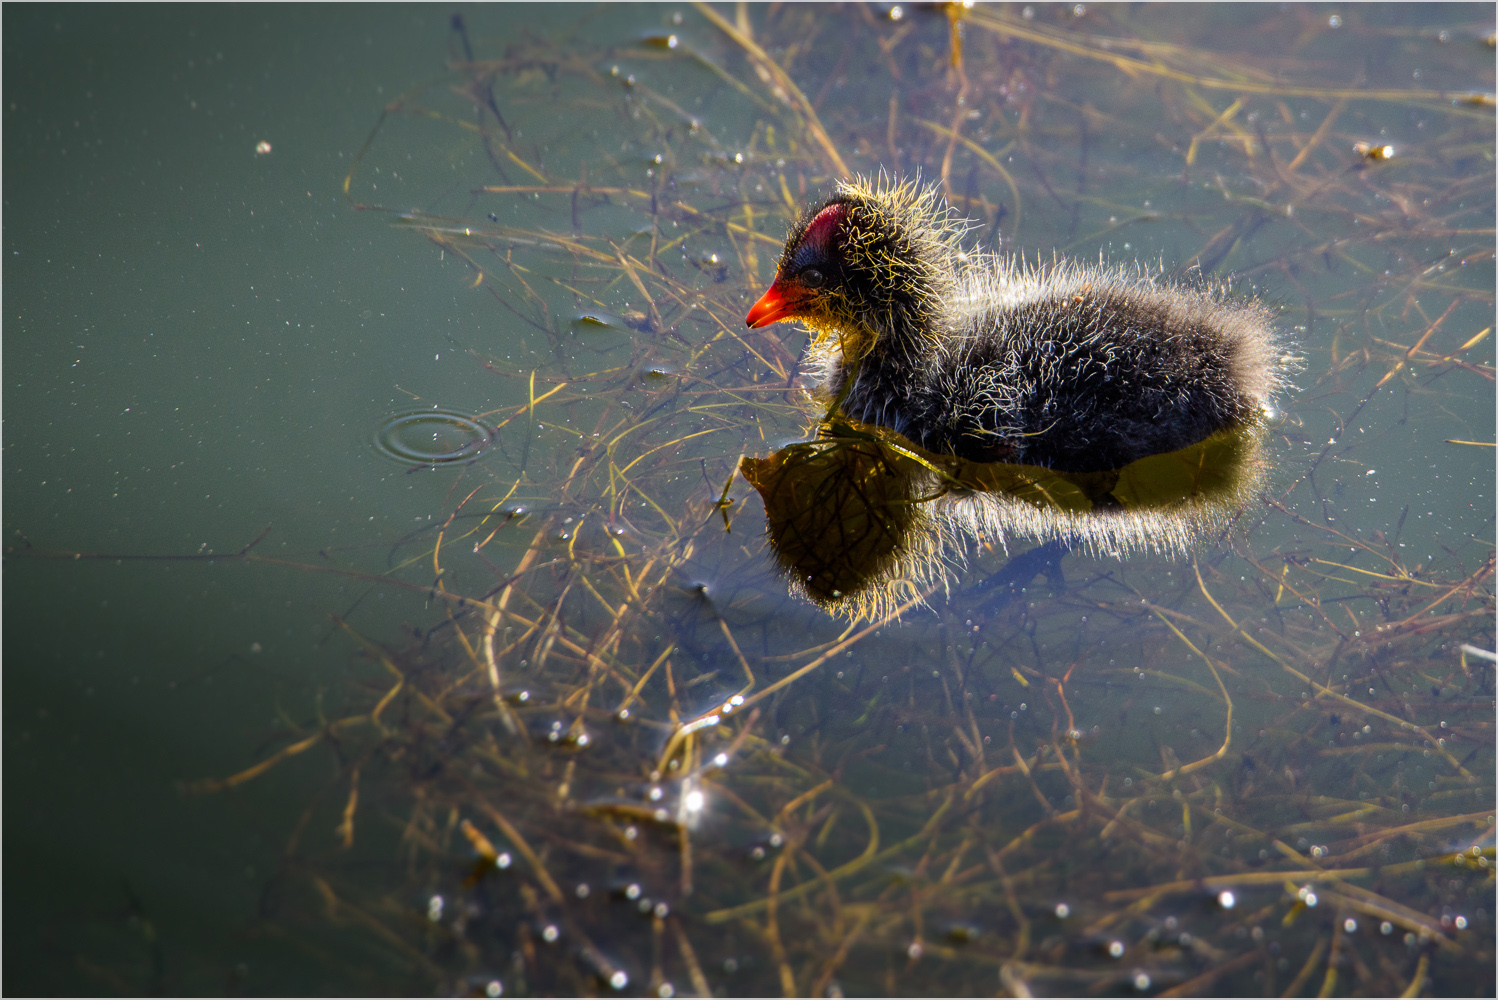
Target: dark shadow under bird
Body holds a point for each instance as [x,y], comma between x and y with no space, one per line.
[1072,367]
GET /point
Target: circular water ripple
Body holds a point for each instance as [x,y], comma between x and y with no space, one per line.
[433,437]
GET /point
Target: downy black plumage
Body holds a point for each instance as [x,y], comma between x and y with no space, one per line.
[1074,367]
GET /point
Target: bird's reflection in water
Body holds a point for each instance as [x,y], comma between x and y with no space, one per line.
[862,521]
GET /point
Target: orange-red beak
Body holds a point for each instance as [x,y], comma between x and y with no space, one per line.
[779,302]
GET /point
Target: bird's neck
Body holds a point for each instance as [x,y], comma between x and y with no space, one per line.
[894,334]
[868,369]
[899,335]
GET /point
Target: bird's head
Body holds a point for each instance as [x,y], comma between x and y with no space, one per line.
[871,266]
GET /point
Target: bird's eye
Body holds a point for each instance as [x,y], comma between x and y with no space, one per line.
[811,278]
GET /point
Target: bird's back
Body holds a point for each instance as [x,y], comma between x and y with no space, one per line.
[1084,369]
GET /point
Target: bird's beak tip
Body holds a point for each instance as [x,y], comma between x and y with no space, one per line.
[771,307]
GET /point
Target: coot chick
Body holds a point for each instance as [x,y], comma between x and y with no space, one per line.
[1074,367]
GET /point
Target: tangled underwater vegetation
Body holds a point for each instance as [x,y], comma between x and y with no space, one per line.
[1257,756]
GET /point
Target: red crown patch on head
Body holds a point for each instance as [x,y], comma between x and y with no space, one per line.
[822,230]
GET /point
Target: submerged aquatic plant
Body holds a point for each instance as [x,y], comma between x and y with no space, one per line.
[622,759]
